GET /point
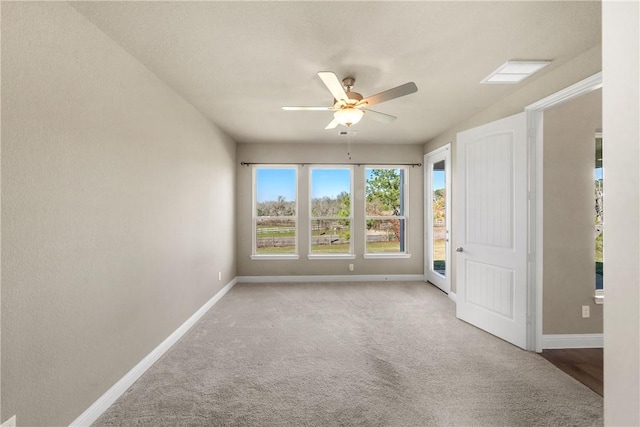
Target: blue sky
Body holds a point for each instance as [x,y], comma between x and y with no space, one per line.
[272,183]
[598,173]
[330,182]
[438,179]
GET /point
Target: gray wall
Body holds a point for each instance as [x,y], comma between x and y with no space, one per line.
[568,235]
[117,212]
[310,153]
[583,66]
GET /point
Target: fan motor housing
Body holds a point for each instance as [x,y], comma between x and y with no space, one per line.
[348,83]
[354,95]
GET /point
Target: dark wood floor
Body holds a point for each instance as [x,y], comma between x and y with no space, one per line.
[583,364]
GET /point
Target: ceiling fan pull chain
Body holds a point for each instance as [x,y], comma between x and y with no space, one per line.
[349,145]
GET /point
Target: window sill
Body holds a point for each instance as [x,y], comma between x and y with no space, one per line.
[386,256]
[331,256]
[599,296]
[275,257]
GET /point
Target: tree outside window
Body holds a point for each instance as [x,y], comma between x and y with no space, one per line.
[385,210]
[331,219]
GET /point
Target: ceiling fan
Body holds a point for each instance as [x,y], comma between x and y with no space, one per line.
[350,106]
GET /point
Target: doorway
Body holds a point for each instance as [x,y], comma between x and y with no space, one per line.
[536,268]
[438,217]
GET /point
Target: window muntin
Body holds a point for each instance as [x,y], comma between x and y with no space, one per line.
[331,210]
[275,211]
[385,206]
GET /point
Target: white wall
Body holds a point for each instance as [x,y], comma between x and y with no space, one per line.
[310,153]
[118,212]
[621,132]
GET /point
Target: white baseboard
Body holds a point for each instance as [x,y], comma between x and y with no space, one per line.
[453,296]
[572,341]
[111,395]
[334,278]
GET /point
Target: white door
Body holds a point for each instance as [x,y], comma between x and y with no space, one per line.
[437,178]
[491,233]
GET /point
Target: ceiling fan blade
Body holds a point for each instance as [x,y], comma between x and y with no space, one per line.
[333,124]
[387,95]
[308,108]
[333,84]
[378,116]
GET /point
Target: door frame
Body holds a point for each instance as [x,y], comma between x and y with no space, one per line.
[446,151]
[535,146]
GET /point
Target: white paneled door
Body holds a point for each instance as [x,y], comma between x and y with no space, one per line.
[491,233]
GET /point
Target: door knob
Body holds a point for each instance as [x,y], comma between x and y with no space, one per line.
[459,249]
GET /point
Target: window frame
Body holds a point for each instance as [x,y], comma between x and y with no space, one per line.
[311,218]
[404,194]
[255,217]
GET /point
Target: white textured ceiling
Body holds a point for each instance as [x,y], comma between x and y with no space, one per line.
[239,62]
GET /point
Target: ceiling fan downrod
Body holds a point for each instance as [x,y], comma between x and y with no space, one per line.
[348,83]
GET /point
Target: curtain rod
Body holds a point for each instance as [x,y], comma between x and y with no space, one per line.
[332,164]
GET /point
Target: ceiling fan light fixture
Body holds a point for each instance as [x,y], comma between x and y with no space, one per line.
[348,116]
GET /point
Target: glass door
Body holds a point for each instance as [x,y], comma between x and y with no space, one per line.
[437,217]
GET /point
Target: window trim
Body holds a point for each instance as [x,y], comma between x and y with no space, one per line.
[405,216]
[254,214]
[320,256]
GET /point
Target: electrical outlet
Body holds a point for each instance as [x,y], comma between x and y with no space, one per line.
[585,311]
[219,275]
[11,422]
[350,267]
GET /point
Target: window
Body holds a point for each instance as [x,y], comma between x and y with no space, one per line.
[599,216]
[385,207]
[331,213]
[275,212]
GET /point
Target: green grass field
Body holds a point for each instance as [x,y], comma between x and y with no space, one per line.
[342,248]
[383,247]
[271,232]
[277,250]
[372,247]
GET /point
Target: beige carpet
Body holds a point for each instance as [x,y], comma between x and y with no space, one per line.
[348,354]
